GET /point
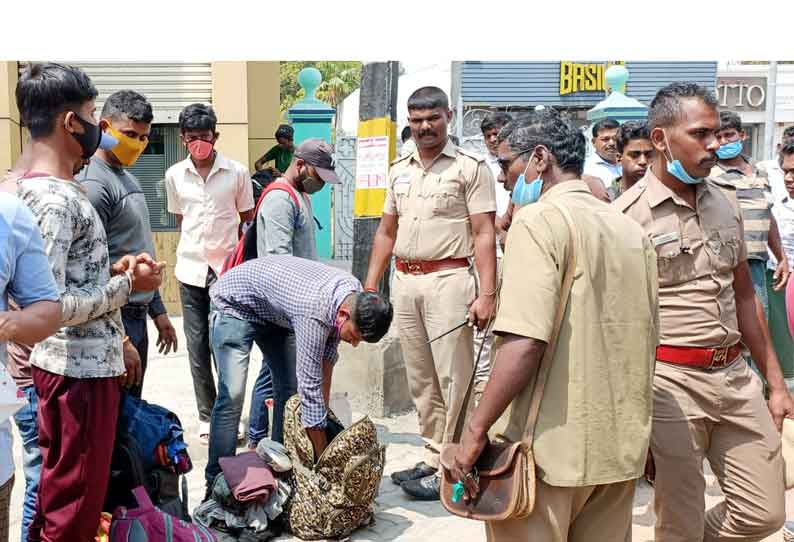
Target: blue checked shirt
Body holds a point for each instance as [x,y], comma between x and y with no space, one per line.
[297,294]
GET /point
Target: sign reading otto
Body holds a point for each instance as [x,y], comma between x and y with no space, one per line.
[577,77]
[742,93]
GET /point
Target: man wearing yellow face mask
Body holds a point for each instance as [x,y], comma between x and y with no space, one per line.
[120,202]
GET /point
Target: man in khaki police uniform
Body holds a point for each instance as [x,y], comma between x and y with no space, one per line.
[592,433]
[707,402]
[439,212]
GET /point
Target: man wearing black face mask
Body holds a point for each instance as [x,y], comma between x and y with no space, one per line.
[76,372]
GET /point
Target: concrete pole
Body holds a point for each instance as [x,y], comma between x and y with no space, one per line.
[457,97]
[771,102]
[377,113]
[373,375]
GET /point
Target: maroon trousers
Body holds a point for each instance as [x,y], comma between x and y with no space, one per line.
[77,427]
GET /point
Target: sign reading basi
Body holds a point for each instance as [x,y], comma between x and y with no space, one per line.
[575,77]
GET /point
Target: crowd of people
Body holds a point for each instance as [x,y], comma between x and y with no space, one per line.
[652,371]
[673,346]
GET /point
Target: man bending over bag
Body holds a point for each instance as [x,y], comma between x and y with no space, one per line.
[297,311]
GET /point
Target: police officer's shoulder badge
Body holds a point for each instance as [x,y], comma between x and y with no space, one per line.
[630,196]
[400,159]
[722,183]
[476,156]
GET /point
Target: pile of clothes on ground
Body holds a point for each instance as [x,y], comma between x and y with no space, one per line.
[249,495]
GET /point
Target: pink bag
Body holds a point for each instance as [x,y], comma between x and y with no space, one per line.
[149,524]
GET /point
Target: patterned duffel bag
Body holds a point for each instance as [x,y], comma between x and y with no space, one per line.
[334,497]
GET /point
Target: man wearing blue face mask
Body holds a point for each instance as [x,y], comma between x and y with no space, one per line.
[594,422]
[707,401]
[754,196]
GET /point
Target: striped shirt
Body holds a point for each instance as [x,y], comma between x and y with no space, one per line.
[755,201]
[296,294]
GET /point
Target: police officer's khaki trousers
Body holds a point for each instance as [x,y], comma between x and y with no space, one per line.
[571,514]
[720,416]
[426,306]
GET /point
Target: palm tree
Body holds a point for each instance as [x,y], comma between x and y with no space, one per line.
[342,79]
[339,80]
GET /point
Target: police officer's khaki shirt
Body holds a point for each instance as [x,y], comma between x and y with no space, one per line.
[433,205]
[595,417]
[697,251]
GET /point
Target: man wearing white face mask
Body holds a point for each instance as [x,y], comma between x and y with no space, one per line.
[708,403]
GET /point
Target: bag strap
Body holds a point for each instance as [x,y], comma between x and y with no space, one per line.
[286,187]
[548,354]
[464,406]
[144,502]
[185,506]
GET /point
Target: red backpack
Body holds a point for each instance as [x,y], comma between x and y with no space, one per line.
[246,246]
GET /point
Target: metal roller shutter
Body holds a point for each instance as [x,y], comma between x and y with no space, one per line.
[169,86]
[526,84]
[163,151]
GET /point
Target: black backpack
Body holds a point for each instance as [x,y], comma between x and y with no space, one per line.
[259,182]
[128,472]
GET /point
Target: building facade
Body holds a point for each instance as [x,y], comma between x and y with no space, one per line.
[573,87]
[245,96]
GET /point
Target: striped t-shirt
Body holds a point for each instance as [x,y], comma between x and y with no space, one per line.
[754,196]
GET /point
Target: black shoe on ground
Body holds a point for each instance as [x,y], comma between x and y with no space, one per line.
[424,489]
[420,470]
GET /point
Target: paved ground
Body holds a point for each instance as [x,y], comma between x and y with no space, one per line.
[398,518]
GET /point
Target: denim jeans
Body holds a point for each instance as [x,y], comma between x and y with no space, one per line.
[258,417]
[231,340]
[758,276]
[25,419]
[134,318]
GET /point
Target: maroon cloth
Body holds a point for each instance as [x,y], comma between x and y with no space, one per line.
[248,477]
[19,363]
[77,427]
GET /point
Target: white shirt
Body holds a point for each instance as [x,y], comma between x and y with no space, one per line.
[598,167]
[783,211]
[775,176]
[502,195]
[210,214]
